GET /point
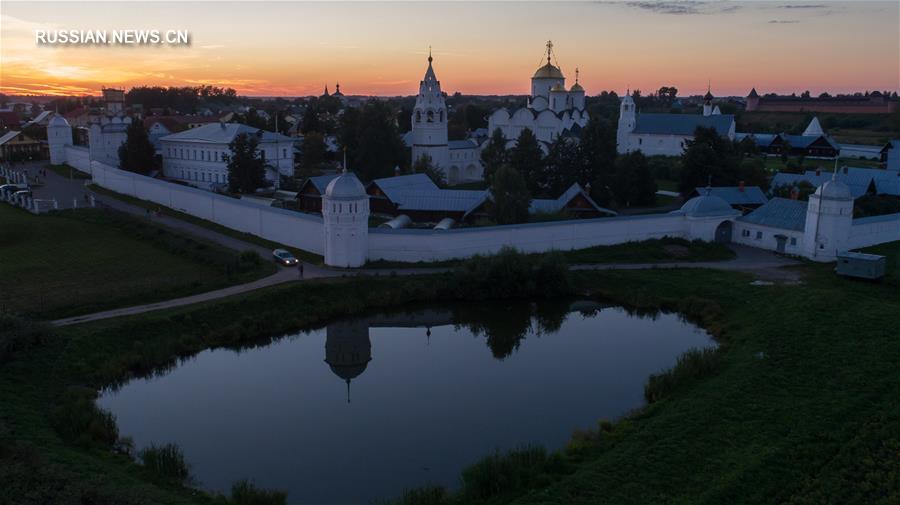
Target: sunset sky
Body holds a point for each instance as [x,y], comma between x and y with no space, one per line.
[379,48]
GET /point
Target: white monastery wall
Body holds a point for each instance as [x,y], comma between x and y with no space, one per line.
[875,230]
[435,245]
[78,157]
[303,231]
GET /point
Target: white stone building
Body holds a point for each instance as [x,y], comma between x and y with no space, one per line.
[551,110]
[666,134]
[105,137]
[345,211]
[197,156]
[59,135]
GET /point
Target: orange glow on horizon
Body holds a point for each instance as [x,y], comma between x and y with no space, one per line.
[296,49]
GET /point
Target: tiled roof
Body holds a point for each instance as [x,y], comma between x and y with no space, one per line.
[803,141]
[887,182]
[779,213]
[555,205]
[321,182]
[462,144]
[751,195]
[448,200]
[681,124]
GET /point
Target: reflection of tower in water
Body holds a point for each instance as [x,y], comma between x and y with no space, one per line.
[348,349]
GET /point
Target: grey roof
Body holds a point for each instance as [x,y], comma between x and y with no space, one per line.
[8,136]
[751,195]
[887,182]
[555,205]
[445,200]
[779,213]
[224,133]
[705,206]
[345,187]
[395,187]
[462,144]
[321,182]
[681,124]
[761,139]
[803,141]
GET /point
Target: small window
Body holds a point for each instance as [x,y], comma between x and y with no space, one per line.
[745,233]
[284,153]
[793,240]
[758,235]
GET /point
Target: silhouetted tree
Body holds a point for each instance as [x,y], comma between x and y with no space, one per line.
[633,184]
[424,165]
[313,151]
[510,199]
[137,153]
[561,167]
[708,157]
[494,154]
[527,158]
[246,169]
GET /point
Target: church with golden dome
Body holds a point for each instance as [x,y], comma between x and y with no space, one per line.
[551,110]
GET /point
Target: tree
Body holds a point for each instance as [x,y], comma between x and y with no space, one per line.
[510,199]
[633,184]
[785,151]
[494,155]
[311,122]
[527,158]
[709,158]
[753,173]
[379,147]
[137,153]
[598,155]
[252,118]
[561,167]
[246,168]
[424,165]
[313,152]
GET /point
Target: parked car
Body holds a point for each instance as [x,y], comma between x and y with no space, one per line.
[285,257]
[12,188]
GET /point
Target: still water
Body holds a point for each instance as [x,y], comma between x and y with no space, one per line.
[361,409]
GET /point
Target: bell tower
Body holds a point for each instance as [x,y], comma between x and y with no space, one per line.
[429,121]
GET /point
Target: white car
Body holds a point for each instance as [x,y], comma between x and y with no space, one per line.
[285,257]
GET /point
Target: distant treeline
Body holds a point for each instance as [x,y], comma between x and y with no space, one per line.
[184,99]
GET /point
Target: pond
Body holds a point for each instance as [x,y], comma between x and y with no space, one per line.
[364,408]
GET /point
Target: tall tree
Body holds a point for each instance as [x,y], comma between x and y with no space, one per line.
[424,165]
[494,155]
[598,154]
[527,158]
[137,153]
[379,146]
[246,168]
[313,151]
[510,199]
[311,121]
[633,184]
[561,167]
[709,158]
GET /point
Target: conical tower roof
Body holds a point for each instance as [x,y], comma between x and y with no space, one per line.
[814,128]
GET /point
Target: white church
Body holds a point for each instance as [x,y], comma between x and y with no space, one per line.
[667,134]
[460,160]
[551,110]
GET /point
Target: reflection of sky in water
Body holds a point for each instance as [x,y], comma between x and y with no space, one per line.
[421,410]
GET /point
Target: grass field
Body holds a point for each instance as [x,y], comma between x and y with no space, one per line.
[224,230]
[802,404]
[871,129]
[69,263]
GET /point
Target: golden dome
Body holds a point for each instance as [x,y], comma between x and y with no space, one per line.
[548,71]
[577,87]
[558,87]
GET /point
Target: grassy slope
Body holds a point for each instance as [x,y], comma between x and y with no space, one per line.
[818,416]
[816,420]
[306,256]
[64,264]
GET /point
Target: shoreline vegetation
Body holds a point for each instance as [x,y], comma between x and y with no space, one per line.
[797,405]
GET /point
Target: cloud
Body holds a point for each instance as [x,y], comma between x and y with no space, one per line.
[784,21]
[803,6]
[686,7]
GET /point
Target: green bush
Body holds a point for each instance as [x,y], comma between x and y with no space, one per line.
[165,462]
[18,334]
[511,274]
[513,472]
[78,420]
[246,493]
[691,365]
